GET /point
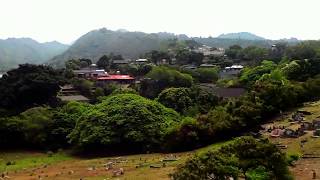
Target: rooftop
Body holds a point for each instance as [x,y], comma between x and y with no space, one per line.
[120,61]
[142,60]
[116,77]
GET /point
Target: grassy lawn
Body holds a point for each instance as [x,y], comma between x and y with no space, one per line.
[12,161]
[28,165]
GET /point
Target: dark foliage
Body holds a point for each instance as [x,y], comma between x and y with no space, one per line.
[28,86]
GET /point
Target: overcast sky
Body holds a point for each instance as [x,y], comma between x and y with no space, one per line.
[67,20]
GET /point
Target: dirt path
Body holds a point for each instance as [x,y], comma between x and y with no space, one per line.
[304,167]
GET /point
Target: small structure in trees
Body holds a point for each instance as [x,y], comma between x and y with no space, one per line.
[277,132]
[290,133]
[316,132]
[307,126]
[297,117]
[316,123]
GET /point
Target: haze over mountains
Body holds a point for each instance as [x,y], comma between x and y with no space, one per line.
[241,35]
[14,51]
[99,42]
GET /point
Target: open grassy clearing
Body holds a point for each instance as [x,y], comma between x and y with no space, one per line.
[15,161]
[30,165]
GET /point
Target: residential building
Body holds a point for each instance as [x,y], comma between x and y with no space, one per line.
[231,71]
[69,93]
[207,65]
[141,61]
[90,72]
[207,51]
[121,61]
[119,79]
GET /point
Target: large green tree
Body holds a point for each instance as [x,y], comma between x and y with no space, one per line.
[124,121]
[104,62]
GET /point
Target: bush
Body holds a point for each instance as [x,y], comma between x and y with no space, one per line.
[160,78]
[183,136]
[84,86]
[124,91]
[64,120]
[204,98]
[176,98]
[207,75]
[291,158]
[35,124]
[11,129]
[245,157]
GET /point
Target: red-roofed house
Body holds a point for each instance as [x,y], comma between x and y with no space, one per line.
[120,79]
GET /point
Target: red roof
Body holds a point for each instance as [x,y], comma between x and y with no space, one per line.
[116,77]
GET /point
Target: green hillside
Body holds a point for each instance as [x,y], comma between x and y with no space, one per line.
[14,51]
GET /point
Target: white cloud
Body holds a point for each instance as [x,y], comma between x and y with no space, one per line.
[66,20]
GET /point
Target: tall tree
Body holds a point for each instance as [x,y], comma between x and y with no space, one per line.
[104,62]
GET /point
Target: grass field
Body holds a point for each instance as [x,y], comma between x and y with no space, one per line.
[32,165]
[15,161]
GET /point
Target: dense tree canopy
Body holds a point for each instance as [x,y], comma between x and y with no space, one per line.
[250,75]
[207,75]
[29,85]
[301,51]
[234,52]
[124,120]
[176,98]
[157,56]
[185,56]
[104,62]
[162,77]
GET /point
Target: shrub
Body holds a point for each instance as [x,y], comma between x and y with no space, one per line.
[246,157]
[64,120]
[35,124]
[124,91]
[176,98]
[207,75]
[160,78]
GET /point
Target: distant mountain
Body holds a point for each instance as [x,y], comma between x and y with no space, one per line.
[100,42]
[290,40]
[225,43]
[97,43]
[14,51]
[241,35]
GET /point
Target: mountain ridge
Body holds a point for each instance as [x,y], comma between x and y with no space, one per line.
[99,42]
[14,51]
[241,35]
